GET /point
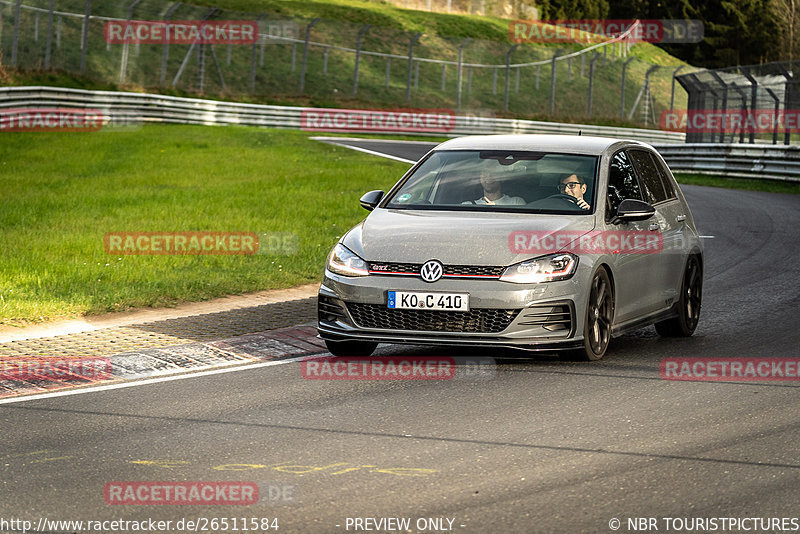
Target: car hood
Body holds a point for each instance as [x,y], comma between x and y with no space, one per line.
[453,237]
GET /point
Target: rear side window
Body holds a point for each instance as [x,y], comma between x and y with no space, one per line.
[664,173]
[622,182]
[652,188]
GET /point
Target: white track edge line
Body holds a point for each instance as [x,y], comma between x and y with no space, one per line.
[374,153]
[147,381]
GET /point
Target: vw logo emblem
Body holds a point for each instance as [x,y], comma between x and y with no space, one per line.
[431,271]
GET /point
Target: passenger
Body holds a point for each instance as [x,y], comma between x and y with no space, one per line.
[493,192]
[574,186]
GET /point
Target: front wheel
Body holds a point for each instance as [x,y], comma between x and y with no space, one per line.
[598,319]
[351,348]
[689,303]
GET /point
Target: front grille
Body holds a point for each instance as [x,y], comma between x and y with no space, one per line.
[481,320]
[551,317]
[459,271]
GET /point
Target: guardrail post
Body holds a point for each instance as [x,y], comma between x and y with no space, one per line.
[85,35]
[359,37]
[15,42]
[508,74]
[464,43]
[411,43]
[622,89]
[305,54]
[553,81]
[49,45]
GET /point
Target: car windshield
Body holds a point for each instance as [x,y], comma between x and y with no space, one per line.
[501,180]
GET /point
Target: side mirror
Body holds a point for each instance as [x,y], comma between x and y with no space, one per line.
[371,199]
[633,210]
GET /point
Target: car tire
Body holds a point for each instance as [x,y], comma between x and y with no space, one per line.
[598,319]
[351,348]
[689,303]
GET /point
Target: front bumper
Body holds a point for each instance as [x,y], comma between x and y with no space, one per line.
[536,317]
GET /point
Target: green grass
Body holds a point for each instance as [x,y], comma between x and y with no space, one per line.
[63,192]
[769,186]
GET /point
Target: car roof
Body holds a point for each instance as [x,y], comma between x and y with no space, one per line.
[575,144]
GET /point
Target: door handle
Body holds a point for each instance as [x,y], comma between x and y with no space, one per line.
[680,218]
[654,226]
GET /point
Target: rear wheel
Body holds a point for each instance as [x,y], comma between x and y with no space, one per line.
[689,303]
[350,348]
[598,319]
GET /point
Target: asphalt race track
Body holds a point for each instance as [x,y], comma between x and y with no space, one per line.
[537,445]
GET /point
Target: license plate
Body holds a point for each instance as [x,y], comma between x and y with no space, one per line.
[417,300]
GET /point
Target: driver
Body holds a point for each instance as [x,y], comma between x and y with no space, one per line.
[574,186]
[493,192]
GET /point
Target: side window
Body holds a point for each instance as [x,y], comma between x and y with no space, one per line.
[652,188]
[622,182]
[664,173]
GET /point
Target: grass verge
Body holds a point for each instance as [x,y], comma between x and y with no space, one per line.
[769,186]
[63,192]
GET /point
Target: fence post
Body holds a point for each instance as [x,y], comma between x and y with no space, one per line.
[591,83]
[411,42]
[123,64]
[85,36]
[305,55]
[622,89]
[672,95]
[15,42]
[361,33]
[165,50]
[508,74]
[444,76]
[49,45]
[553,81]
[464,43]
[388,71]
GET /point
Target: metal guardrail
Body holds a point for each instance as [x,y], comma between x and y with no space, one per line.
[775,162]
[153,108]
[770,162]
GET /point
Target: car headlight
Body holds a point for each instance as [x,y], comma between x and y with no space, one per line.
[545,269]
[343,261]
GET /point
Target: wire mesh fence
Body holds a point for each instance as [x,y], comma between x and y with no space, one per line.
[743,104]
[334,62]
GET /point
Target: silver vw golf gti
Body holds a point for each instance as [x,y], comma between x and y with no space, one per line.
[530,241]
